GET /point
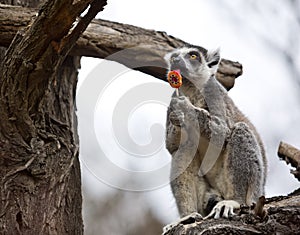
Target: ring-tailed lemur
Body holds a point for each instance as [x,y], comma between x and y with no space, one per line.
[218,159]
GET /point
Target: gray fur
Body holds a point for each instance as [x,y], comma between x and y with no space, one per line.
[217,154]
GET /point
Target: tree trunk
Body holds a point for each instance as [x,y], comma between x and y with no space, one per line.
[40,172]
[40,179]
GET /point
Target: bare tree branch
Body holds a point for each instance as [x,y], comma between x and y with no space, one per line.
[104,38]
[291,155]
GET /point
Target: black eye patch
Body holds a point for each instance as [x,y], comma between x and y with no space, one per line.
[193,56]
[194,53]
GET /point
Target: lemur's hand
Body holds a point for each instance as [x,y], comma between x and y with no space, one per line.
[182,103]
[184,113]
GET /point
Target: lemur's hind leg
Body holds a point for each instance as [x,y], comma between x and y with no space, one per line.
[243,170]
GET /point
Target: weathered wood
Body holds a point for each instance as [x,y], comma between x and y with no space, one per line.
[282,217]
[138,48]
[40,184]
[259,207]
[291,155]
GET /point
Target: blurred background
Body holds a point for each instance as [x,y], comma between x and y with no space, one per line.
[125,187]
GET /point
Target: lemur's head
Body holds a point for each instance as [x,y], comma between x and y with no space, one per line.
[195,63]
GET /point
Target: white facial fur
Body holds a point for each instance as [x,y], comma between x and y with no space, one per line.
[198,73]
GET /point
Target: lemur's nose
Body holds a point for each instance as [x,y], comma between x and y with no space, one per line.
[177,62]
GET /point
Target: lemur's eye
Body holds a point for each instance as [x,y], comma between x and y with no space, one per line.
[193,56]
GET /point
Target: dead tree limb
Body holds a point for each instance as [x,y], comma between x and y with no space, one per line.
[145,48]
[291,155]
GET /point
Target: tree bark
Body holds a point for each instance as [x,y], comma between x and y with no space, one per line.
[40,173]
[135,47]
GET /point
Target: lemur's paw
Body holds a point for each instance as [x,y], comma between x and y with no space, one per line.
[181,103]
[225,206]
[176,118]
[189,219]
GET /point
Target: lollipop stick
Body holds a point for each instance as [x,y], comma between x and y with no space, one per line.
[177,92]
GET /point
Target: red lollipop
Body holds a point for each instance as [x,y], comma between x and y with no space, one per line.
[175,78]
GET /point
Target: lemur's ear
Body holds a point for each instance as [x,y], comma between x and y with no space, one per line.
[213,59]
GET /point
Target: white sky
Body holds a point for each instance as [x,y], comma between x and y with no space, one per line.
[264,92]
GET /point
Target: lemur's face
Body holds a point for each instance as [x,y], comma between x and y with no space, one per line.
[193,64]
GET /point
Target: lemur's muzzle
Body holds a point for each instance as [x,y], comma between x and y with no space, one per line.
[177,63]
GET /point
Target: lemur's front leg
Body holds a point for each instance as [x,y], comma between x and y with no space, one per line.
[182,142]
[184,127]
[211,127]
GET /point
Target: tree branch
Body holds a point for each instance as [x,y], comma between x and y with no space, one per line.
[291,155]
[47,40]
[138,48]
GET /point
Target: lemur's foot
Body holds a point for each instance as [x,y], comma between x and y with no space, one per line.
[191,218]
[227,206]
